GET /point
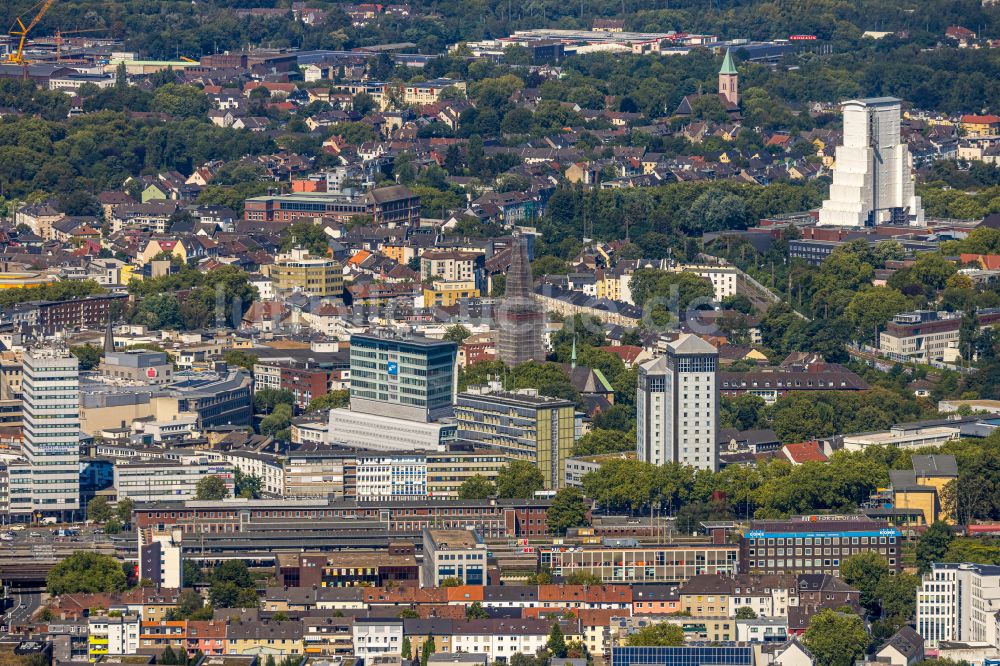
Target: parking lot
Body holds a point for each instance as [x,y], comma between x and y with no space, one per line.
[47,542]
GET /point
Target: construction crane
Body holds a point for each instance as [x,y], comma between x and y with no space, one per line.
[21,30]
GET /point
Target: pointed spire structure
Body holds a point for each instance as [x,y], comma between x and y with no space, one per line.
[109,338]
[520,317]
[727,64]
[729,80]
[572,360]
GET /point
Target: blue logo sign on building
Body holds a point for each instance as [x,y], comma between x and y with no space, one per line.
[392,367]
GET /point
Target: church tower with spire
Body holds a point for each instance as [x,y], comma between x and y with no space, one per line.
[520,317]
[109,337]
[729,80]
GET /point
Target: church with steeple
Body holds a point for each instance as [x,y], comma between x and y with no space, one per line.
[729,91]
[729,80]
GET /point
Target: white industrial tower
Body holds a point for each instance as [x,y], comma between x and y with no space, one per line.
[872,183]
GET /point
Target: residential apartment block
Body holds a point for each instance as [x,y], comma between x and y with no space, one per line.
[298,271]
[677,405]
[51,386]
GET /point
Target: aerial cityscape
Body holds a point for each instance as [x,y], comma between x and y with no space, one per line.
[507,333]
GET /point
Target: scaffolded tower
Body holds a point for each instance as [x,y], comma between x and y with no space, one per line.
[520,317]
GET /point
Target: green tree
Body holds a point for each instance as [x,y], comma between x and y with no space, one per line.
[123,510]
[624,485]
[168,656]
[475,611]
[569,509]
[619,417]
[897,598]
[556,644]
[211,488]
[180,100]
[865,571]
[86,571]
[599,441]
[88,355]
[240,358]
[276,423]
[476,487]
[746,613]
[519,479]
[406,648]
[99,510]
[932,270]
[233,571]
[582,578]
[663,294]
[543,577]
[247,486]
[429,647]
[743,412]
[457,333]
[933,545]
[306,235]
[224,595]
[113,526]
[451,581]
[871,309]
[408,613]
[188,603]
[716,211]
[549,265]
[265,400]
[328,401]
[656,635]
[836,638]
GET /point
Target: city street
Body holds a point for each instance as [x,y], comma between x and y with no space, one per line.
[20,613]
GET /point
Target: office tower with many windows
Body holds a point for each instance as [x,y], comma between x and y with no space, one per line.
[406,377]
[51,386]
[677,405]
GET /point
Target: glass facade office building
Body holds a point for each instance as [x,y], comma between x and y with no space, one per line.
[410,378]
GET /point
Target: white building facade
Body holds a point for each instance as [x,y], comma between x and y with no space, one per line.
[377,636]
[51,390]
[111,635]
[872,181]
[677,405]
[162,480]
[958,602]
[391,476]
[723,278]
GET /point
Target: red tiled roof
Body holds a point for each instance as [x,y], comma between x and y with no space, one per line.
[980,120]
[627,353]
[804,452]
